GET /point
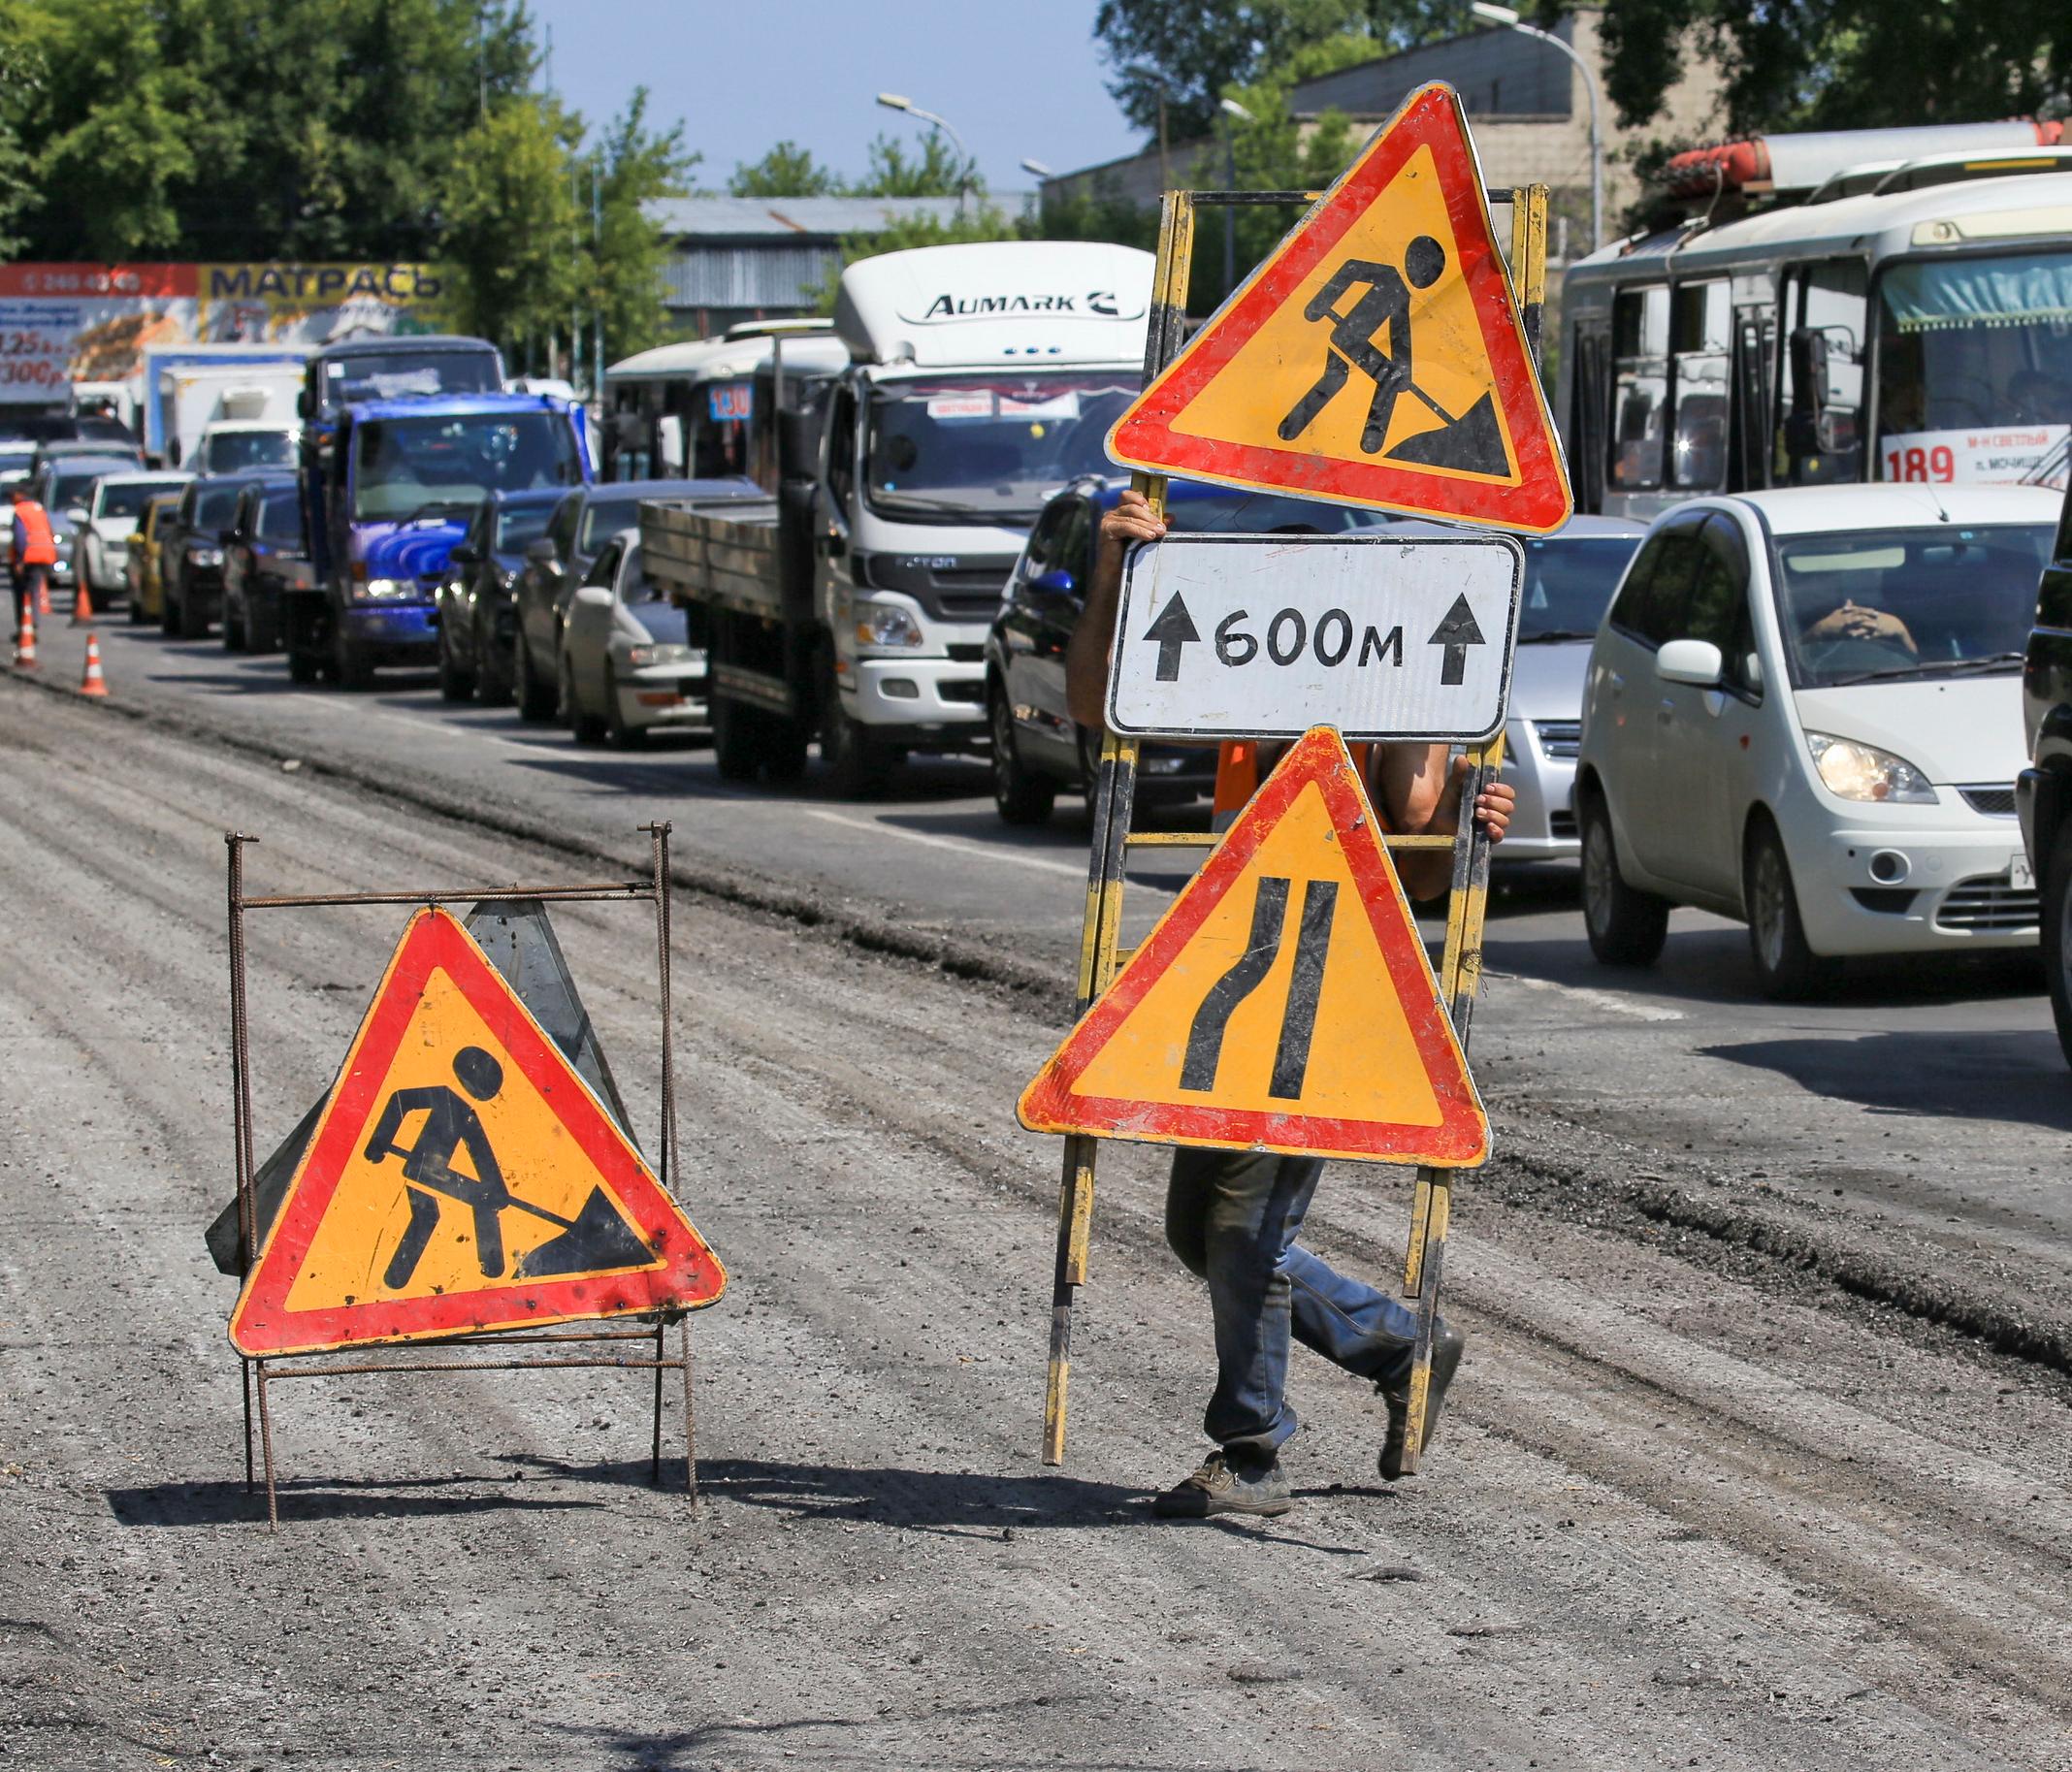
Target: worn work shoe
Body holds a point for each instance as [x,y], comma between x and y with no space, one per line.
[1448,1346]
[1219,1487]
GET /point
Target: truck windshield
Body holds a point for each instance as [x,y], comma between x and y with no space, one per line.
[399,373]
[126,498]
[991,445]
[1867,604]
[1973,383]
[234,451]
[406,467]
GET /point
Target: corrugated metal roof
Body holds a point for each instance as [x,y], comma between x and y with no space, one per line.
[824,219]
[776,274]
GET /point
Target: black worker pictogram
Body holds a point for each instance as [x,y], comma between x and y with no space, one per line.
[596,1238]
[1373,335]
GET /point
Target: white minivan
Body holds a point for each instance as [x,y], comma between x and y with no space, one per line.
[1803,711]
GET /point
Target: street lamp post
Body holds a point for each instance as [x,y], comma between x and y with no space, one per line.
[894,101]
[1507,18]
[1233,115]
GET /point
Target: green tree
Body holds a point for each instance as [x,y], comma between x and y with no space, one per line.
[935,172]
[636,168]
[21,73]
[986,222]
[785,171]
[512,231]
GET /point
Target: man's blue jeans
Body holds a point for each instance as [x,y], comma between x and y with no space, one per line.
[1232,1216]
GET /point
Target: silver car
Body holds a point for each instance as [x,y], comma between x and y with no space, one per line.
[627,665]
[1570,577]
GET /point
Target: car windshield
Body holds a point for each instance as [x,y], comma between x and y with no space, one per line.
[1568,582]
[406,467]
[280,517]
[401,372]
[213,508]
[127,497]
[1860,605]
[232,450]
[73,487]
[993,445]
[604,517]
[518,525]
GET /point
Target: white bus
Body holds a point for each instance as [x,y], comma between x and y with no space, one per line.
[687,411]
[1911,320]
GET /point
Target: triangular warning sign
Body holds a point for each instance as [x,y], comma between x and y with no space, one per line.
[1282,1002]
[1376,358]
[462,1177]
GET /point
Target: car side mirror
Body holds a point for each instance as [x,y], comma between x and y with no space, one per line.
[1697,662]
[463,556]
[77,513]
[594,597]
[541,552]
[1056,582]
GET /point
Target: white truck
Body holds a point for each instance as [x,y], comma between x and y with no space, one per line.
[853,603]
[248,400]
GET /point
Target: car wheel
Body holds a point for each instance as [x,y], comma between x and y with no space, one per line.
[2056,908]
[262,631]
[624,737]
[536,700]
[233,629]
[1019,797]
[734,739]
[1786,966]
[1626,926]
[586,727]
[349,662]
[456,682]
[193,622]
[491,672]
[168,614]
[303,667]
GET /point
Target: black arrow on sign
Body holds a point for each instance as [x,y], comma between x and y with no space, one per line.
[1456,634]
[1173,629]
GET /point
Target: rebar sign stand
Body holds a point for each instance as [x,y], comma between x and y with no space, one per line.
[1114,843]
[261,1372]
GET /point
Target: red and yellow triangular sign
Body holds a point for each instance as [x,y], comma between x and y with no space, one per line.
[1284,1002]
[1376,358]
[462,1177]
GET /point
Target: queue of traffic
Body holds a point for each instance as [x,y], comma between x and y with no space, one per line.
[1778,679]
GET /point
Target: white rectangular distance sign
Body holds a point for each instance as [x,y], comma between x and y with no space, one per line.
[1265,636]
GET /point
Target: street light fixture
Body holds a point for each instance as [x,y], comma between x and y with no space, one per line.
[1506,17]
[1038,167]
[894,100]
[1233,113]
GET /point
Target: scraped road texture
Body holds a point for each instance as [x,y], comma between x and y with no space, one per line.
[1700,1501]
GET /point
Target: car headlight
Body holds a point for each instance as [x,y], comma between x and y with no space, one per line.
[373,589]
[207,556]
[1862,772]
[886,624]
[662,652]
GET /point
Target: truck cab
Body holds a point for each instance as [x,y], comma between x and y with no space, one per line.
[391,491]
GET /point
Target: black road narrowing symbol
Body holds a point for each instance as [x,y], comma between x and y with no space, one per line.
[1298,1019]
[597,1237]
[1373,337]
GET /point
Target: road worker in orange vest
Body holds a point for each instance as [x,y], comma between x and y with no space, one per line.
[32,550]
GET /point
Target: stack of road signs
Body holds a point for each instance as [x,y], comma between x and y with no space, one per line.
[462,1177]
[1284,1002]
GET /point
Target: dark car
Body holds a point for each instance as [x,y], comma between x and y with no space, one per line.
[476,611]
[582,523]
[1037,746]
[2043,793]
[125,450]
[264,557]
[38,428]
[63,486]
[190,555]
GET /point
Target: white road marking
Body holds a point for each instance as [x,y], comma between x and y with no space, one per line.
[956,846]
[1608,1001]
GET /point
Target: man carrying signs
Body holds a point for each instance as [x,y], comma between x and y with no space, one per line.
[1233,1217]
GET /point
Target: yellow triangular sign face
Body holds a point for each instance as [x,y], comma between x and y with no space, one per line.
[1282,1002]
[1376,358]
[462,1177]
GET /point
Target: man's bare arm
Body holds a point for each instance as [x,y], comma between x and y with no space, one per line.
[1094,639]
[1421,797]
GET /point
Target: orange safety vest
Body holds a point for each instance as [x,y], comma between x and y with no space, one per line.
[38,547]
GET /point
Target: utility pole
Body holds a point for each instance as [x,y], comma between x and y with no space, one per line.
[597,257]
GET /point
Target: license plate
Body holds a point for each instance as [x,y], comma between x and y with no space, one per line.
[2019,875]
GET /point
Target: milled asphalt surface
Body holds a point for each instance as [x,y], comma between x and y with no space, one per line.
[1759,1458]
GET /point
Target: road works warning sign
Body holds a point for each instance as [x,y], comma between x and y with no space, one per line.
[1282,1002]
[1265,636]
[1376,358]
[462,1177]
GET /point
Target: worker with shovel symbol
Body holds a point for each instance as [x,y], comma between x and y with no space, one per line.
[1373,337]
[597,1237]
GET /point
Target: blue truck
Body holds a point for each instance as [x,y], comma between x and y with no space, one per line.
[387,495]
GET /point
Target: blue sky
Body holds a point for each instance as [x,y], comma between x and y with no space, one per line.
[1015,76]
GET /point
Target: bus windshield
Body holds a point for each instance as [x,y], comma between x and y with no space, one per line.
[1865,606]
[991,446]
[408,468]
[1974,382]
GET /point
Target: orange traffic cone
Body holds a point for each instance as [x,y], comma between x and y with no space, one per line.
[82,606]
[25,641]
[1237,780]
[95,684]
[42,595]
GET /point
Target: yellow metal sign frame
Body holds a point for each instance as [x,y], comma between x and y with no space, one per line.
[1114,843]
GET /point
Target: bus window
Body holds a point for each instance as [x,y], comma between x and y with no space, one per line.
[1640,389]
[1588,375]
[1824,445]
[1698,342]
